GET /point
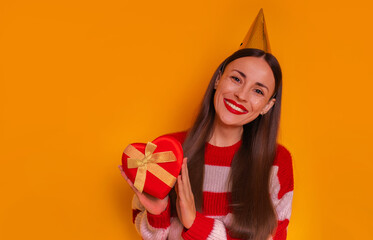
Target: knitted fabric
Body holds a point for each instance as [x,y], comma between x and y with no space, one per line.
[214,220]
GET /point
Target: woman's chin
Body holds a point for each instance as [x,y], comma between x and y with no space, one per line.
[230,123]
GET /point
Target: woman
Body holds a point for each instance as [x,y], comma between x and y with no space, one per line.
[236,181]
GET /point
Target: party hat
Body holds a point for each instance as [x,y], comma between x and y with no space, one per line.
[257,36]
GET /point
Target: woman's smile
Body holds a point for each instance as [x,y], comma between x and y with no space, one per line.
[234,107]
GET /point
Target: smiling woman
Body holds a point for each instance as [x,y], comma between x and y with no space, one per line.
[249,81]
[236,181]
[241,124]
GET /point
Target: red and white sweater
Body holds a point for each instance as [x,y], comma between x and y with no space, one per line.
[216,216]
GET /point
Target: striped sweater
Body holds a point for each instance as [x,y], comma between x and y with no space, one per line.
[214,220]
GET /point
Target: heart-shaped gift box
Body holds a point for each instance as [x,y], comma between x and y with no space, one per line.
[153,167]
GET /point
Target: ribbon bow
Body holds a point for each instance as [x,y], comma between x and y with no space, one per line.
[149,162]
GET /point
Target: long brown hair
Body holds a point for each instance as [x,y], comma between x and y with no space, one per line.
[253,214]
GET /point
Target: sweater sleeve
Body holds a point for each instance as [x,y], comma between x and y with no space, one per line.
[207,228]
[148,225]
[204,227]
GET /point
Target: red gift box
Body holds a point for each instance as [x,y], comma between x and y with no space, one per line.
[153,167]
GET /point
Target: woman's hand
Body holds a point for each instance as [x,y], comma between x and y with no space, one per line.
[152,204]
[186,209]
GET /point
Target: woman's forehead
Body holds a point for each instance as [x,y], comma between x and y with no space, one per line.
[251,66]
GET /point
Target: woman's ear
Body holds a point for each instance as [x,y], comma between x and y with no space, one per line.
[268,106]
[217,80]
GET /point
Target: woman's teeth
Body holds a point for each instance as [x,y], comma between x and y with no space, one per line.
[234,107]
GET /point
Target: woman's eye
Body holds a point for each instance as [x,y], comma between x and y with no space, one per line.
[259,91]
[236,79]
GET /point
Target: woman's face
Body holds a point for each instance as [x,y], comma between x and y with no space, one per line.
[243,91]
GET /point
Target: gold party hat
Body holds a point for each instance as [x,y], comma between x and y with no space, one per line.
[257,36]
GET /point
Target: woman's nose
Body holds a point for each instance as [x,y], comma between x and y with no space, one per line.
[241,94]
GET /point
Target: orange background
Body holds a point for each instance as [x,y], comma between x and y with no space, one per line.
[82,79]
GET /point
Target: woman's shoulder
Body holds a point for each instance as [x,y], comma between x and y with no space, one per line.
[283,165]
[180,136]
[283,156]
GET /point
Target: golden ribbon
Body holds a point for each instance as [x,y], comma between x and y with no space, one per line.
[149,162]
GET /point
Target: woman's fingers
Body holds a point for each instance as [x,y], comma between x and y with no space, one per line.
[128,180]
[180,189]
[185,179]
[181,181]
[185,199]
[188,179]
[122,172]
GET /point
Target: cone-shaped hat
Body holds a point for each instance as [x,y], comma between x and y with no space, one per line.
[257,36]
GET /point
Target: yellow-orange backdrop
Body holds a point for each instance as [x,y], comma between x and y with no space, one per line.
[82,79]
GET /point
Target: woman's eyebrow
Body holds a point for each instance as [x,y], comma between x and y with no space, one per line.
[261,84]
[241,73]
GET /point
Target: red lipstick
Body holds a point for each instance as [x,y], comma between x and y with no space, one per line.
[234,107]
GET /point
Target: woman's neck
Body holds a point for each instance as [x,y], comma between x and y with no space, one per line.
[223,135]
